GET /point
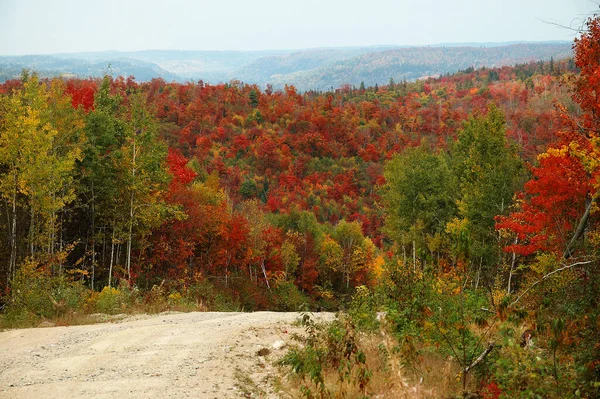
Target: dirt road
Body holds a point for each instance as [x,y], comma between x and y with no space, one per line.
[181,355]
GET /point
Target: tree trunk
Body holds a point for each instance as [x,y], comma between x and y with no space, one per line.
[478,272]
[31,231]
[479,358]
[512,268]
[131,203]
[60,247]
[103,246]
[112,253]
[414,248]
[348,263]
[128,260]
[580,228]
[93,238]
[51,229]
[13,237]
[264,270]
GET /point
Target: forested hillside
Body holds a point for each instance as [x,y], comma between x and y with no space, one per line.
[310,69]
[400,64]
[297,163]
[463,206]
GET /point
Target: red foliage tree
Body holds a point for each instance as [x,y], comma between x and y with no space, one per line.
[557,202]
[82,93]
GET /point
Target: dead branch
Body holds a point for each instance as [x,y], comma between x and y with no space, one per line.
[565,267]
[480,358]
[577,24]
[580,228]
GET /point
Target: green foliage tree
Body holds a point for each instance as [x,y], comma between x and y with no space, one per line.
[142,170]
[487,171]
[123,173]
[350,238]
[253,96]
[289,257]
[418,198]
[330,262]
[39,147]
[105,134]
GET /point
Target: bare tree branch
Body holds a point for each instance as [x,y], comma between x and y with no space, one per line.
[577,24]
[481,340]
[480,358]
[565,267]
[585,131]
[580,228]
[449,342]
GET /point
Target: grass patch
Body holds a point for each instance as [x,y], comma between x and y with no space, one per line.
[246,385]
[333,360]
[38,299]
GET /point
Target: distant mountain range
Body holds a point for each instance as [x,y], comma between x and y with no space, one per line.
[318,69]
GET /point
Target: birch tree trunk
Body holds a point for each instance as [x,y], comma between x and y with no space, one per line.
[131,204]
[13,236]
[112,257]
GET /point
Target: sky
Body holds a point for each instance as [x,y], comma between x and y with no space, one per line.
[64,26]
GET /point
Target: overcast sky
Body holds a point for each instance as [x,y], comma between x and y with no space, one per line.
[51,26]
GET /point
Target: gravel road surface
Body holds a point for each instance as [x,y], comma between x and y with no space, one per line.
[170,355]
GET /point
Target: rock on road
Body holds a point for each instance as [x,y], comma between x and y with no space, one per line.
[171,355]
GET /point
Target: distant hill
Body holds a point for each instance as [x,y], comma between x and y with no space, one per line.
[266,69]
[57,65]
[318,69]
[211,66]
[417,62]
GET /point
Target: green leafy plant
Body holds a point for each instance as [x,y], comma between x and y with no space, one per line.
[37,295]
[287,297]
[329,349]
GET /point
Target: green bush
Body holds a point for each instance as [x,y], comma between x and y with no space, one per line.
[363,309]
[36,295]
[329,349]
[110,301]
[530,371]
[249,295]
[288,298]
[205,295]
[527,373]
[155,300]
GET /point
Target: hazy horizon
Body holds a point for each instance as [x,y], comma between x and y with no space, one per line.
[69,26]
[295,50]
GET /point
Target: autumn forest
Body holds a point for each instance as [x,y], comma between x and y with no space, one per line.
[463,207]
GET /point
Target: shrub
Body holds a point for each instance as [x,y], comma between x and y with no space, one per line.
[204,294]
[155,300]
[249,295]
[529,372]
[363,309]
[110,301]
[288,298]
[175,299]
[36,294]
[329,349]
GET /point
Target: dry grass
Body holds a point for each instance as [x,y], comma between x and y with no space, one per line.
[432,376]
[75,318]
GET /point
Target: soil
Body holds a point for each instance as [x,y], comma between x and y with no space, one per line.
[169,355]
